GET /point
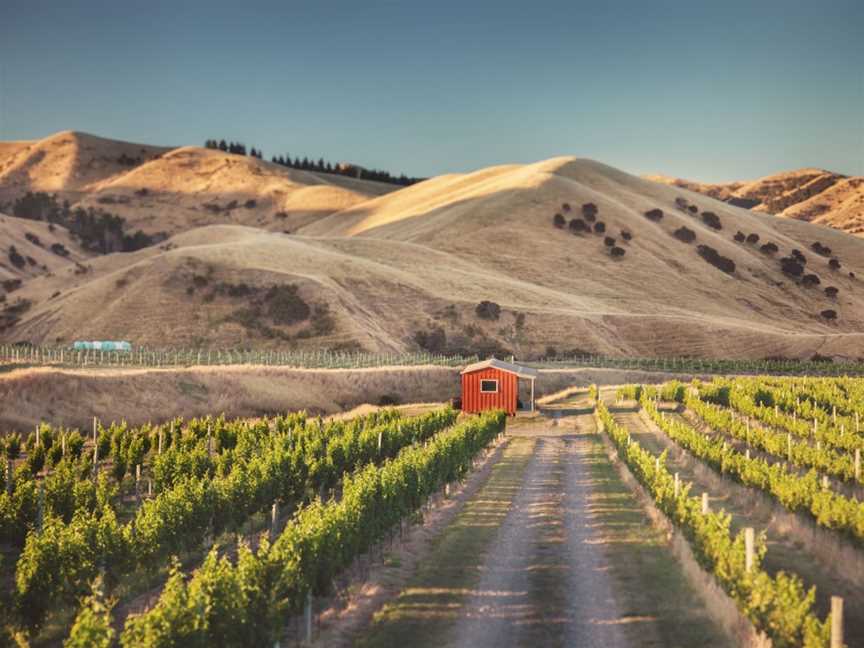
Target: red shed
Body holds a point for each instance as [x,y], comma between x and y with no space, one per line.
[494,384]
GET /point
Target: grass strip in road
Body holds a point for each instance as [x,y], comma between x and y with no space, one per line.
[424,611]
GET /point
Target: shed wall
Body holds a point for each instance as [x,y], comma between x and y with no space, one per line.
[474,401]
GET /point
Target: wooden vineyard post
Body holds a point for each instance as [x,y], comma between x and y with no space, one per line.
[307,618]
[159,451]
[9,477]
[149,487]
[138,483]
[825,484]
[749,542]
[858,463]
[834,414]
[656,464]
[704,503]
[789,447]
[857,423]
[677,484]
[274,520]
[40,514]
[95,460]
[94,430]
[747,454]
[380,434]
[836,622]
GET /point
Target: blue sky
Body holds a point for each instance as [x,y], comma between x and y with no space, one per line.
[705,90]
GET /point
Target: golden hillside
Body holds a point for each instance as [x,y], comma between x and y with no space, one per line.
[420,260]
[158,189]
[812,195]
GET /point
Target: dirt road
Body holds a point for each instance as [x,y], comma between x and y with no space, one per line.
[553,551]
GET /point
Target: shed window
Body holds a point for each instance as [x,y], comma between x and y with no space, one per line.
[488,386]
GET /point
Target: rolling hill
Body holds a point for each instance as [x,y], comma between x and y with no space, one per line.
[812,195]
[410,268]
[172,190]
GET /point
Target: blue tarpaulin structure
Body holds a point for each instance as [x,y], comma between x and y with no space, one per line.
[102,346]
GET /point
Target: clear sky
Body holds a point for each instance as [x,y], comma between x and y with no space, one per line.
[707,90]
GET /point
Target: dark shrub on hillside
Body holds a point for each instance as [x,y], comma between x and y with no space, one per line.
[831,291]
[578,225]
[488,310]
[33,239]
[433,341]
[746,203]
[59,249]
[617,252]
[388,399]
[609,241]
[285,306]
[599,227]
[829,314]
[716,259]
[851,275]
[740,237]
[685,234]
[589,210]
[654,215]
[681,203]
[565,207]
[559,221]
[820,249]
[15,258]
[626,235]
[693,209]
[769,248]
[250,204]
[810,280]
[834,264]
[11,285]
[753,239]
[712,220]
[797,254]
[791,267]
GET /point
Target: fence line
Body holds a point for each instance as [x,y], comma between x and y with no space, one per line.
[327,359]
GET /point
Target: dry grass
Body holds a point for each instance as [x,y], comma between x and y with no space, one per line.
[73,397]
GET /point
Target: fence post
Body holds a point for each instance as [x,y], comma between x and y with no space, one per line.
[836,622]
[704,503]
[749,548]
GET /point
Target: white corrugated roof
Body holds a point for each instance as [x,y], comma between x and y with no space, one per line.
[519,370]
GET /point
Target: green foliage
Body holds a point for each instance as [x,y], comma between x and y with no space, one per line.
[245,603]
[92,627]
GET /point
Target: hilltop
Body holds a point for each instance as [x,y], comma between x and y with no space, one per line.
[812,195]
[475,262]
